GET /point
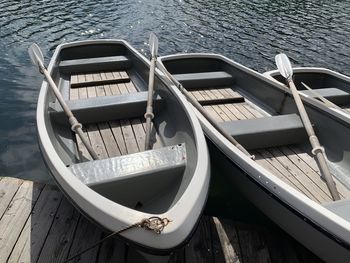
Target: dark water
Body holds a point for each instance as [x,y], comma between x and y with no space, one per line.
[312,33]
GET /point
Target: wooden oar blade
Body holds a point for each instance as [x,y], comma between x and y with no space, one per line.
[35,54]
[153,44]
[284,66]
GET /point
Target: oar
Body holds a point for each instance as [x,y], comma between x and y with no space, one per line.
[285,68]
[38,59]
[153,45]
[202,111]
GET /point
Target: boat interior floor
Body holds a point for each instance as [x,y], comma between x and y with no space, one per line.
[287,161]
[119,143]
[109,138]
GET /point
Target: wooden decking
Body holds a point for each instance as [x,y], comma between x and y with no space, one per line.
[289,163]
[37,224]
[112,138]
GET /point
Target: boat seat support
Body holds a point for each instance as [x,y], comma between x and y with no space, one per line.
[335,95]
[158,164]
[105,108]
[193,81]
[267,131]
[94,64]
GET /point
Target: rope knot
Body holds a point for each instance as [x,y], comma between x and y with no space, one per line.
[154,223]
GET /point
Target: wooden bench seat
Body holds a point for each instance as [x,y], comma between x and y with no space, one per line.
[267,131]
[335,95]
[193,81]
[93,64]
[99,109]
[98,79]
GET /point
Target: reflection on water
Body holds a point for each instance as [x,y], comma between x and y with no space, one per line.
[250,31]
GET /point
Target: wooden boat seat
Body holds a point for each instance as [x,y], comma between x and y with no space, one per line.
[112,79]
[93,64]
[155,166]
[105,108]
[340,207]
[267,131]
[193,81]
[335,95]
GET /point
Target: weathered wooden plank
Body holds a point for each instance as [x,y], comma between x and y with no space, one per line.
[213,113]
[73,94]
[244,111]
[308,171]
[108,139]
[8,188]
[199,248]
[228,113]
[112,250]
[130,86]
[109,75]
[103,76]
[116,75]
[221,113]
[129,137]
[91,92]
[16,215]
[96,141]
[139,133]
[124,74]
[73,79]
[228,237]
[312,163]
[217,93]
[253,245]
[286,175]
[316,189]
[33,235]
[235,112]
[108,91]
[82,91]
[61,234]
[85,236]
[123,89]
[100,91]
[99,78]
[118,135]
[204,94]
[114,89]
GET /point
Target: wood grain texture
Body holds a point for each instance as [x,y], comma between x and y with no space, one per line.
[51,229]
[33,235]
[57,243]
[16,215]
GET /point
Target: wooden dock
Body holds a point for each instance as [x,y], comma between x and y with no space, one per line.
[37,224]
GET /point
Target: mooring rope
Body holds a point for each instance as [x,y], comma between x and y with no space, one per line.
[154,223]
